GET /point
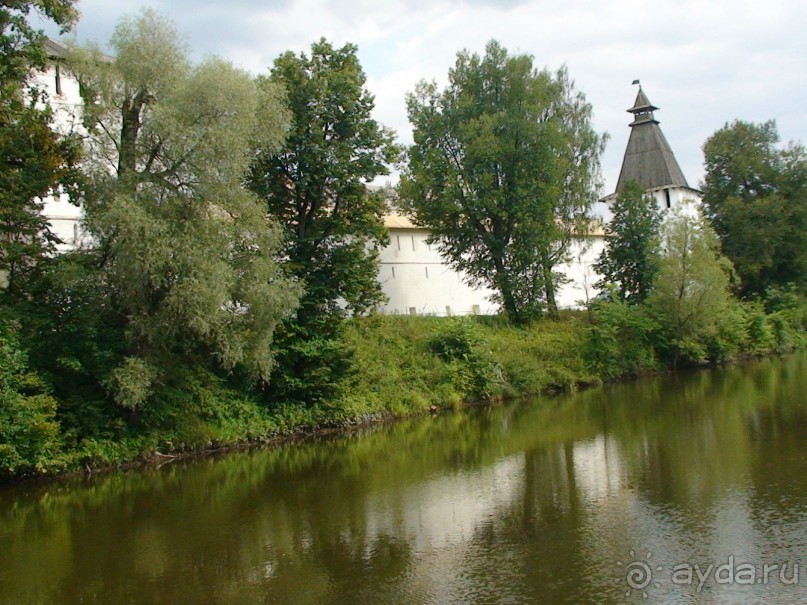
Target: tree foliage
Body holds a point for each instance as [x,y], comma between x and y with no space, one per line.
[186,253]
[34,160]
[755,193]
[630,258]
[503,171]
[29,432]
[315,186]
[690,297]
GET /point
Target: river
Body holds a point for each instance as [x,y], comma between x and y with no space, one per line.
[687,488]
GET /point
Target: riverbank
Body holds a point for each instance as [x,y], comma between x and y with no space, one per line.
[405,366]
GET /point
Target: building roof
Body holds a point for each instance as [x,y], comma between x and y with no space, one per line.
[394,220]
[55,50]
[648,158]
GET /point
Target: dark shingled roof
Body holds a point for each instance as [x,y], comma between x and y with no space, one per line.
[648,158]
[55,50]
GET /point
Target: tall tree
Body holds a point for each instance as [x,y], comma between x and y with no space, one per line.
[315,185]
[34,159]
[187,254]
[630,258]
[755,193]
[503,171]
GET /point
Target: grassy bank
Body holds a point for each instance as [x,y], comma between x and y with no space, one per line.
[402,366]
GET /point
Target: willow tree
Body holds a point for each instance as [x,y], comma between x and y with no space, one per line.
[188,255]
[503,172]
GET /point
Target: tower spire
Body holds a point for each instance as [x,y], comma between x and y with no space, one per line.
[642,109]
[648,158]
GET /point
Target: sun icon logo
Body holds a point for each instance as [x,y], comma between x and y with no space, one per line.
[639,574]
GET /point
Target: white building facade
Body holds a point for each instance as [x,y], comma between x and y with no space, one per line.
[63,95]
[417,281]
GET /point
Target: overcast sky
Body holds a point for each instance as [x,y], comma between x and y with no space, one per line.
[703,62]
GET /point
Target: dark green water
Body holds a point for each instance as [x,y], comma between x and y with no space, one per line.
[534,502]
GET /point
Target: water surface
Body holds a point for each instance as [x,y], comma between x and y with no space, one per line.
[605,496]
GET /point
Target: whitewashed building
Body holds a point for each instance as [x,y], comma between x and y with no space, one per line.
[417,281]
[650,162]
[62,94]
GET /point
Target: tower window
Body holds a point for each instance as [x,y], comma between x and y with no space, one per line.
[667,197]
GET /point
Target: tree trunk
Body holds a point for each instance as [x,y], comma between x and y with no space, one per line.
[504,287]
[127,157]
[549,287]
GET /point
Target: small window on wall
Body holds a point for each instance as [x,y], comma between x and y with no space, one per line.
[398,239]
[667,197]
[413,243]
[393,272]
[75,233]
[427,272]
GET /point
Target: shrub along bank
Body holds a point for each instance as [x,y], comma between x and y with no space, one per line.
[401,366]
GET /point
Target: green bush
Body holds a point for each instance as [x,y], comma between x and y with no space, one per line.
[458,342]
[730,334]
[29,433]
[621,340]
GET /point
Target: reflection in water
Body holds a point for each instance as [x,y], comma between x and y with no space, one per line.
[533,502]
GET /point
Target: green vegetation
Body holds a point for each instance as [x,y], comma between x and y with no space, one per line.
[630,262]
[185,254]
[313,184]
[227,292]
[503,172]
[755,194]
[405,365]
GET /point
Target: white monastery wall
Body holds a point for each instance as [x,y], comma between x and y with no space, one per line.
[62,94]
[666,198]
[417,282]
[580,271]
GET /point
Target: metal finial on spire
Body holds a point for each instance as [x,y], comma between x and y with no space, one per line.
[636,82]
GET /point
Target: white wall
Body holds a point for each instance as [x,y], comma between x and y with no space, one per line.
[580,270]
[677,196]
[65,217]
[413,276]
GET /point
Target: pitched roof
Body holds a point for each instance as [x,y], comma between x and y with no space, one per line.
[55,50]
[395,220]
[648,158]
